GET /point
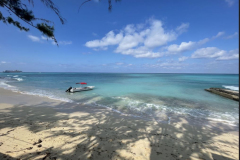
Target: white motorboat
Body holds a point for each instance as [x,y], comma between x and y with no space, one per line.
[72,90]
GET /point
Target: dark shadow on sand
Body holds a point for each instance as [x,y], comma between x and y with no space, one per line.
[108,133]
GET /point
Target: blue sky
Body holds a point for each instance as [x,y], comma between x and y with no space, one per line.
[142,36]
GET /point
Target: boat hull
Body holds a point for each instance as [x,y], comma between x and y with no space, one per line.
[81,89]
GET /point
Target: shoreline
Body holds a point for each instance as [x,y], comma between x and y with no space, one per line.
[193,120]
[163,108]
[81,131]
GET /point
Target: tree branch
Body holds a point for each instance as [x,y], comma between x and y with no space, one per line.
[83,4]
[37,27]
[19,16]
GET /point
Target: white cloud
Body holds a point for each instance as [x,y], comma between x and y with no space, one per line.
[101,48]
[183,58]
[230,2]
[184,46]
[157,36]
[129,29]
[119,63]
[59,42]
[129,41]
[34,38]
[182,28]
[3,62]
[219,35]
[166,65]
[213,52]
[139,40]
[187,46]
[148,54]
[141,52]
[140,26]
[169,64]
[109,39]
[143,40]
[44,38]
[232,36]
[94,34]
[203,41]
[233,54]
[209,52]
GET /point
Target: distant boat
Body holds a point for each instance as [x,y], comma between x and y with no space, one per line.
[11,71]
[72,90]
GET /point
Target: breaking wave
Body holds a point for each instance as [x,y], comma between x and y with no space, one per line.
[137,108]
[40,93]
[232,88]
[18,79]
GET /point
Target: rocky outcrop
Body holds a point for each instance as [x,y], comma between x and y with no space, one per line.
[234,95]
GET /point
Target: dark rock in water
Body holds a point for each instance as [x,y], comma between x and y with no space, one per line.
[234,95]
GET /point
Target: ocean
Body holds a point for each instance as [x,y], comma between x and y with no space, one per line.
[161,97]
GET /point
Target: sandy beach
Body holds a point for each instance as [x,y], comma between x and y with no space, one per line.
[33,127]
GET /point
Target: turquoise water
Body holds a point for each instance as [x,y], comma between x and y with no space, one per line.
[144,95]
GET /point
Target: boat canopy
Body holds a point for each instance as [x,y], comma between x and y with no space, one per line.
[81,83]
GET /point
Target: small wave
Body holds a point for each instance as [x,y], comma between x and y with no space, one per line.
[232,88]
[47,95]
[141,108]
[18,79]
[7,86]
[115,110]
[15,76]
[4,85]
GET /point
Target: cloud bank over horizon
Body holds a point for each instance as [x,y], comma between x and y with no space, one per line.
[150,40]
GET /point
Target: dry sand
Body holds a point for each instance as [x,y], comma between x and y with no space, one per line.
[32,127]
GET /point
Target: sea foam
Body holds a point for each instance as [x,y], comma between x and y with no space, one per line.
[232,87]
[4,85]
[18,79]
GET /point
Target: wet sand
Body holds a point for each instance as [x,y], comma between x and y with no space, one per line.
[33,127]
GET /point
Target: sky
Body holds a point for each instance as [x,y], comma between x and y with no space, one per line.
[137,36]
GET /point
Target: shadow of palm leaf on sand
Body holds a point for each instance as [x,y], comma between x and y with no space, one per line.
[70,131]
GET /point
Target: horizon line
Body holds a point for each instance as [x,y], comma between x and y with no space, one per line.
[123,72]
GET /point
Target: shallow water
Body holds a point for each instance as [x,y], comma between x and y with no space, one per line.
[159,96]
